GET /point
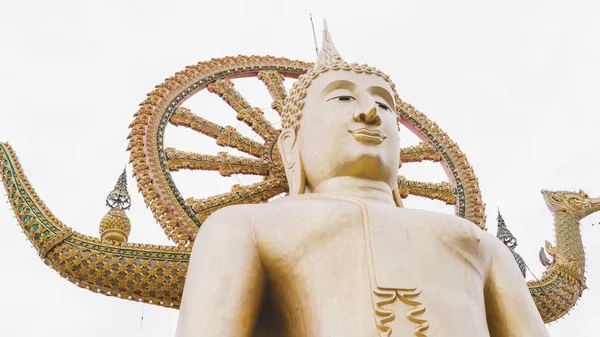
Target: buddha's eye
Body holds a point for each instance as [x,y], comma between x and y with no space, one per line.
[342,98]
[383,106]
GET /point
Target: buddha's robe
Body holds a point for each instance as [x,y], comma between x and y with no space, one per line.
[324,265]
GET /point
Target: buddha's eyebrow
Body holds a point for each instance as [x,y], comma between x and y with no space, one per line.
[384,93]
[339,84]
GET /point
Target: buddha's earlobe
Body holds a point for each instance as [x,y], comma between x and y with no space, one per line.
[396,189]
[298,184]
[397,197]
[292,161]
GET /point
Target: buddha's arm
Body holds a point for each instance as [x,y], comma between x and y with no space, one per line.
[510,309]
[224,282]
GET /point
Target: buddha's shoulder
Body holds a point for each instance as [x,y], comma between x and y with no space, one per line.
[243,211]
[237,214]
[433,219]
[282,205]
[279,211]
[446,225]
[456,232]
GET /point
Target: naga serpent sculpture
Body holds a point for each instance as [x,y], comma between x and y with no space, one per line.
[156,274]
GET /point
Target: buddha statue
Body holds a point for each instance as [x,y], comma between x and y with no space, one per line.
[340,255]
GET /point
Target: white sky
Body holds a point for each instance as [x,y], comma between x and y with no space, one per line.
[514,83]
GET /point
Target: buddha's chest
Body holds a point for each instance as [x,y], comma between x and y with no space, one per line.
[353,262]
[387,246]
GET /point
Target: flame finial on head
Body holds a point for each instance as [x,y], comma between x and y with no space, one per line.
[329,54]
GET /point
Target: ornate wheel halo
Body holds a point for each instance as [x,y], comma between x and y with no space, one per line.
[181,218]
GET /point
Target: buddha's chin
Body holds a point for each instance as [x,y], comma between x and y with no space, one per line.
[368,164]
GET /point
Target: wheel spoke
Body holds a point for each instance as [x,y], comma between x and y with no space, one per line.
[225,136]
[249,194]
[418,153]
[442,191]
[274,82]
[225,163]
[224,88]
[253,117]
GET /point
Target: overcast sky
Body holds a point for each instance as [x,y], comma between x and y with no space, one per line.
[514,83]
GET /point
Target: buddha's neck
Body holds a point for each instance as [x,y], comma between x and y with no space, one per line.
[361,188]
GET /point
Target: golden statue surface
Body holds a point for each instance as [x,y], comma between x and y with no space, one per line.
[339,255]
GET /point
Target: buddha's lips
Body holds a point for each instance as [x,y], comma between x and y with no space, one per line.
[368,136]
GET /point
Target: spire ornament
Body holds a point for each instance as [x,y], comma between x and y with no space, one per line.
[329,54]
[510,241]
[115,225]
[119,196]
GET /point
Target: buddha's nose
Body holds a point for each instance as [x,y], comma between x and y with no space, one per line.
[371,117]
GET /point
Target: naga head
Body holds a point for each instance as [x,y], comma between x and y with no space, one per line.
[578,203]
[340,119]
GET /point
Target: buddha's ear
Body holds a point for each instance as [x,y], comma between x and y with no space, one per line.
[397,197]
[292,162]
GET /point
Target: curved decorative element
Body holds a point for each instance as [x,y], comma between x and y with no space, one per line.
[408,297]
[384,315]
[140,272]
[414,314]
[563,281]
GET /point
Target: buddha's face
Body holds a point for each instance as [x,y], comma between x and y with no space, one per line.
[349,128]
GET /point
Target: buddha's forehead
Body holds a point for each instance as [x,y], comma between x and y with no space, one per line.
[348,80]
